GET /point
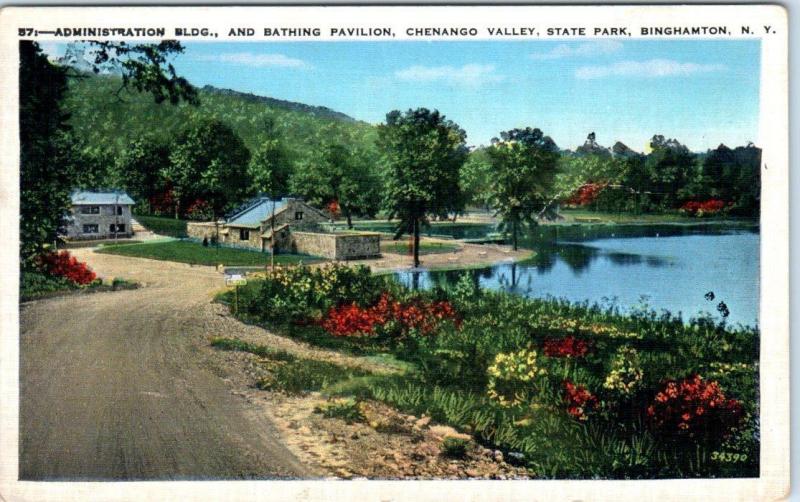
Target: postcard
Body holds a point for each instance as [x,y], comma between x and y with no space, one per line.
[395,253]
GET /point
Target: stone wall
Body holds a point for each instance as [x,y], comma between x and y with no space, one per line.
[234,234]
[199,230]
[348,246]
[288,215]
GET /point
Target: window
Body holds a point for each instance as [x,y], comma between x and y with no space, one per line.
[117,229]
[90,209]
[90,229]
[244,234]
[119,210]
[298,215]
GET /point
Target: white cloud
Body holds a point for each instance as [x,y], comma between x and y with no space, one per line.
[469,75]
[586,49]
[257,60]
[652,68]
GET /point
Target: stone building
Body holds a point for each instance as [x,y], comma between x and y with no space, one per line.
[296,229]
[99,215]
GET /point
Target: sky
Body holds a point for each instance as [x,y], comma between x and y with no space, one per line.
[702,93]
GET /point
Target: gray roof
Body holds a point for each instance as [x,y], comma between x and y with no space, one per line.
[82,198]
[259,210]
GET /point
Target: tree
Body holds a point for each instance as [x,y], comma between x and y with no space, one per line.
[139,168]
[208,163]
[734,176]
[670,166]
[342,174]
[47,157]
[423,155]
[44,185]
[270,169]
[524,163]
[475,178]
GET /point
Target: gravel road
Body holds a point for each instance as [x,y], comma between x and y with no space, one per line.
[117,385]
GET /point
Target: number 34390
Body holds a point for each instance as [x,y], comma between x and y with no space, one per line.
[724,456]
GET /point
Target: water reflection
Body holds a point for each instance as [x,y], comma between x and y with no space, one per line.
[675,271]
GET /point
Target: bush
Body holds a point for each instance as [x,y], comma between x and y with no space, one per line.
[36,284]
[62,264]
[454,447]
[347,409]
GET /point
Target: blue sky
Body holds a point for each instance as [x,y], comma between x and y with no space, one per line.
[701,92]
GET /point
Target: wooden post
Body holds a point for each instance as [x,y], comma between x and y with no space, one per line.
[236,299]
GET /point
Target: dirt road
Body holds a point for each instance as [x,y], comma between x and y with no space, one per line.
[118,385]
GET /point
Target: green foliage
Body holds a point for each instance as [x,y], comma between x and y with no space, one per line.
[46,172]
[208,162]
[347,409]
[523,173]
[454,447]
[497,375]
[139,166]
[305,375]
[423,153]
[34,284]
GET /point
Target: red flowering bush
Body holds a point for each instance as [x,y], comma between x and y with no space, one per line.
[199,210]
[352,320]
[698,208]
[693,405]
[163,203]
[586,194]
[64,265]
[580,402]
[565,347]
[333,208]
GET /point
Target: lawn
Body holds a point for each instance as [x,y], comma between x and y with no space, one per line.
[586,216]
[162,225]
[197,254]
[402,247]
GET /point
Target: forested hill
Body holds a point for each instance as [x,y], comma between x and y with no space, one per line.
[317,111]
[109,122]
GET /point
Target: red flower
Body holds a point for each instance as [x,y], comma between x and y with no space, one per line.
[692,405]
[708,207]
[565,347]
[586,194]
[62,264]
[579,400]
[350,320]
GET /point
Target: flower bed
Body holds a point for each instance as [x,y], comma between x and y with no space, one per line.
[617,396]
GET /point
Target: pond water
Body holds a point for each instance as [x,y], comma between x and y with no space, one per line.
[668,267]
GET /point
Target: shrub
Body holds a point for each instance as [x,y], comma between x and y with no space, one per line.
[62,264]
[454,447]
[35,284]
[580,402]
[347,409]
[511,377]
[692,407]
[626,372]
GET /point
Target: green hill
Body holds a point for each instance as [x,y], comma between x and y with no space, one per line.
[110,120]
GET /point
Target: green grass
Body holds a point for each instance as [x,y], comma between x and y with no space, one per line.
[259,350]
[162,225]
[585,216]
[197,254]
[402,247]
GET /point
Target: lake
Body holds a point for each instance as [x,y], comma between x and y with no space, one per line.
[668,267]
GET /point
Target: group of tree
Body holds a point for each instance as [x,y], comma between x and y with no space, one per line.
[418,167]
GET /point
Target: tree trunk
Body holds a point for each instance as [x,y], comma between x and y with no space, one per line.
[177,209]
[349,219]
[416,242]
[514,234]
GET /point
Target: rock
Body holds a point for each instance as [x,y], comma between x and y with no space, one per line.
[344,473]
[354,435]
[422,422]
[498,456]
[473,473]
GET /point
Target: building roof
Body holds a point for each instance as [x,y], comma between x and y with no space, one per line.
[256,211]
[82,198]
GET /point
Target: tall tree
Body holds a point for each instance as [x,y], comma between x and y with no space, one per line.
[45,172]
[524,165]
[139,166]
[340,174]
[270,169]
[670,166]
[208,163]
[423,155]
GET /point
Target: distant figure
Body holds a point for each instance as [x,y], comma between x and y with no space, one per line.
[205,242]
